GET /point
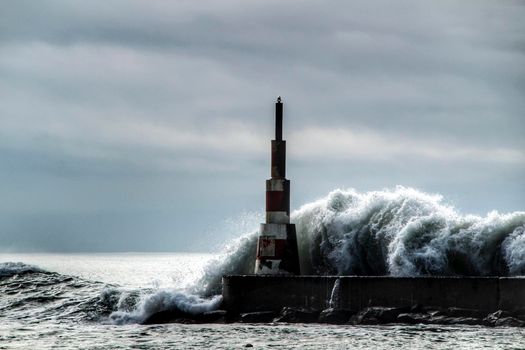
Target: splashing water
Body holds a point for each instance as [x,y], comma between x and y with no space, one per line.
[402,232]
[406,233]
[399,232]
[334,301]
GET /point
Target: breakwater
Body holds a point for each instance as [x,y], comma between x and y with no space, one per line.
[250,293]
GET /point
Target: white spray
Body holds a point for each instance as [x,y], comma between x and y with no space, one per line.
[400,232]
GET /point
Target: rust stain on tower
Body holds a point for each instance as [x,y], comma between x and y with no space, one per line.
[277,245]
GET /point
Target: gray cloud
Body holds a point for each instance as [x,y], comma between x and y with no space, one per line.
[127,109]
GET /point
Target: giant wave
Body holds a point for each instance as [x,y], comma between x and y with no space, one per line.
[399,232]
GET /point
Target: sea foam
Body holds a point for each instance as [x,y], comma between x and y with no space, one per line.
[398,232]
[404,232]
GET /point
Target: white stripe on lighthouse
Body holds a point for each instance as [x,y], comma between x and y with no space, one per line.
[277,231]
[262,269]
[277,217]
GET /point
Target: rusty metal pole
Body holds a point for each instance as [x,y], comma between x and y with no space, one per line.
[279,119]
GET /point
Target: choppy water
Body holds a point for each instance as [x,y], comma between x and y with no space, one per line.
[97,301]
[44,310]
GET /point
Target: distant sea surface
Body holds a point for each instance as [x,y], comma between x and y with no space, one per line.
[130,270]
[94,301]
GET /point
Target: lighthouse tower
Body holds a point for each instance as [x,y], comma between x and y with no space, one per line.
[277,245]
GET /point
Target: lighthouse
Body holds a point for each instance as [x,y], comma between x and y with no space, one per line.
[277,244]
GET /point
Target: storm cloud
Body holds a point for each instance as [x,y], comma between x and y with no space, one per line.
[134,125]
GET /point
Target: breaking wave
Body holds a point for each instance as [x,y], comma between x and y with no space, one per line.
[399,232]
[8,269]
[405,232]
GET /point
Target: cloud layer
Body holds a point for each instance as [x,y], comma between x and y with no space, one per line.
[157,115]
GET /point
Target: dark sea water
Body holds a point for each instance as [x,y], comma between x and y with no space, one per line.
[70,308]
[98,301]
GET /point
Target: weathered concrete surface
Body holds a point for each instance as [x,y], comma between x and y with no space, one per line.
[471,292]
[512,294]
[264,292]
[270,292]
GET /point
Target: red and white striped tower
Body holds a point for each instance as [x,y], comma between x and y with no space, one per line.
[277,245]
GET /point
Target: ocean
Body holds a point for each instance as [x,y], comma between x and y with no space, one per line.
[98,301]
[63,301]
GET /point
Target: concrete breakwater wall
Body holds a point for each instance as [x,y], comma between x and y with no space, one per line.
[249,293]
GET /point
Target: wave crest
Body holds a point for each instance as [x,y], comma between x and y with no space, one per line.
[8,269]
[404,232]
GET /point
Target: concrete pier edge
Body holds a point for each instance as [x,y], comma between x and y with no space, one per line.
[251,293]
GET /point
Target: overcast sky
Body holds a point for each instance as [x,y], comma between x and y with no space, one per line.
[145,125]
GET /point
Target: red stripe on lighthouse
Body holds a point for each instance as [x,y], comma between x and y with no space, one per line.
[277,201]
